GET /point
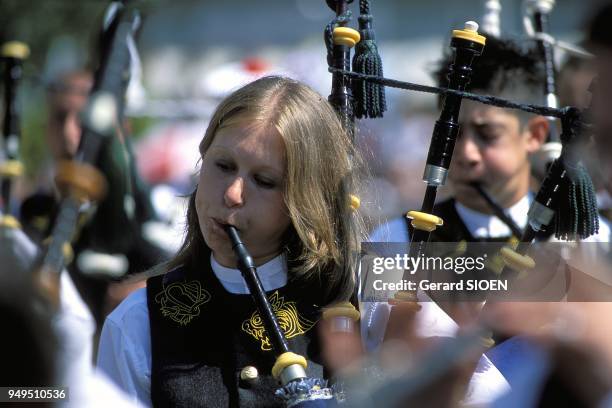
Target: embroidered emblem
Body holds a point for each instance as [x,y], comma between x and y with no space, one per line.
[288,319]
[181,301]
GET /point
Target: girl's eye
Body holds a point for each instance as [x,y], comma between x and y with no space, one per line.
[224,166]
[265,182]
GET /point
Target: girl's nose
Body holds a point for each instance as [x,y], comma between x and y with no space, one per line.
[234,194]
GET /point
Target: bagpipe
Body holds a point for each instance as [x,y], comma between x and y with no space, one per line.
[536,25]
[79,181]
[297,389]
[119,236]
[352,97]
[539,10]
[468,45]
[13,54]
[566,200]
[564,204]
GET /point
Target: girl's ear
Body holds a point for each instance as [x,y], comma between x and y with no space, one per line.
[536,131]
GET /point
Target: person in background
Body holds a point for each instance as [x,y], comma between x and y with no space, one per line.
[112,242]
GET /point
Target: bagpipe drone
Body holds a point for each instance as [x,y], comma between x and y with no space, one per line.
[13,54]
[566,175]
[536,18]
[297,389]
[79,181]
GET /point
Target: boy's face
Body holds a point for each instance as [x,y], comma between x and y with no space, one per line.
[65,105]
[492,148]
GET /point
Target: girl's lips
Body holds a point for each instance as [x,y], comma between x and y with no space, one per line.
[220,225]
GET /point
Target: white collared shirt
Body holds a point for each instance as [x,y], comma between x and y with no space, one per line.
[490,226]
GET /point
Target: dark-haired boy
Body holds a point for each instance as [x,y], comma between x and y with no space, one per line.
[493,149]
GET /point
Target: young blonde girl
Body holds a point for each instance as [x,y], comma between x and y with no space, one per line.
[277,165]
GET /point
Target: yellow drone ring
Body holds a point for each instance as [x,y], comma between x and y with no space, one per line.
[516,260]
[11,168]
[15,49]
[423,221]
[346,36]
[342,309]
[285,360]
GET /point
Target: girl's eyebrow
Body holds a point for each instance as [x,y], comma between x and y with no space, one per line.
[219,149]
[264,167]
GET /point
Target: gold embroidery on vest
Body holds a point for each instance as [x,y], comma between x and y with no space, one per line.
[288,317]
[181,301]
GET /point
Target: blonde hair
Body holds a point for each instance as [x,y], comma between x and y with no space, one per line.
[321,172]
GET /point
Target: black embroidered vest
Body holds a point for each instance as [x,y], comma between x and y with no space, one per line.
[203,336]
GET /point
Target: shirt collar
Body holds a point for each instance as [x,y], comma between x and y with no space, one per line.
[266,271]
[488,225]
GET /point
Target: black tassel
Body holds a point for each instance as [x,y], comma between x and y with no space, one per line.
[369,98]
[576,216]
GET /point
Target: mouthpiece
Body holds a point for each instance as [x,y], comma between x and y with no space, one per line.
[245,260]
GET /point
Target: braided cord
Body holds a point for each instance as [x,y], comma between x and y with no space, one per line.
[488,100]
[343,18]
[364,6]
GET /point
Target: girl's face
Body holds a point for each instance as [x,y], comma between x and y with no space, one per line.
[242,183]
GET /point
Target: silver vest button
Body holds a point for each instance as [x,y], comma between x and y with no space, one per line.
[248,373]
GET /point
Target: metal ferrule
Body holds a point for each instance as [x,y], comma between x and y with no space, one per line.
[342,324]
[291,373]
[539,216]
[435,175]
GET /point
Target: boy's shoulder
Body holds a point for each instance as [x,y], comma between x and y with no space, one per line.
[392,230]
